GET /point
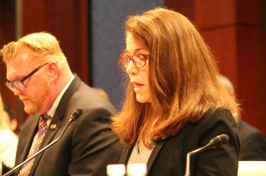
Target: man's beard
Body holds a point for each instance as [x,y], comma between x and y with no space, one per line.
[36,104]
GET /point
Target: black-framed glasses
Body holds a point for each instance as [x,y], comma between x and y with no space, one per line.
[139,60]
[19,84]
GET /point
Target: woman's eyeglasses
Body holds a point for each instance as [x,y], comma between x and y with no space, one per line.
[139,60]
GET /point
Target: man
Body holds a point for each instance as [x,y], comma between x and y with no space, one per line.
[252,141]
[39,74]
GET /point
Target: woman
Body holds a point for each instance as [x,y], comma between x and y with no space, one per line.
[8,142]
[174,102]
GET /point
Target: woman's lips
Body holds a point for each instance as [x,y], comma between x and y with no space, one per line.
[137,86]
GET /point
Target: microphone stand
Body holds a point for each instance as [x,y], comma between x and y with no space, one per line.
[214,143]
[192,153]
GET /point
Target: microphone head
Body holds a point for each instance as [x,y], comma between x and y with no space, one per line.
[76,114]
[220,140]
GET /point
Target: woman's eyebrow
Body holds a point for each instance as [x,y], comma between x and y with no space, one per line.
[136,50]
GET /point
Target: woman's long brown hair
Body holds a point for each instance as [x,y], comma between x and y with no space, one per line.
[183,79]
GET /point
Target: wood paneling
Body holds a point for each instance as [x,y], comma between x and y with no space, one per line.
[68,21]
[7,34]
[185,7]
[225,39]
[215,14]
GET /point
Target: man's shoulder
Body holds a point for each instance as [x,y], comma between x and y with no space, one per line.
[247,131]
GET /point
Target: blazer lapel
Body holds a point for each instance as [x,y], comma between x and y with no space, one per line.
[127,151]
[125,154]
[154,154]
[31,131]
[51,130]
[49,136]
[27,143]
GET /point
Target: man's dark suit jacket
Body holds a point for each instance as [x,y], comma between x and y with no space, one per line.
[252,143]
[87,145]
[169,156]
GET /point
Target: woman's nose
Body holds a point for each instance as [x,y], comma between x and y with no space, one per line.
[131,68]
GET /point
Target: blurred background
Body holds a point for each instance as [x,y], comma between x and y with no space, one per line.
[91,34]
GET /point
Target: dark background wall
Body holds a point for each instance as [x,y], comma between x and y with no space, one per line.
[92,37]
[107,42]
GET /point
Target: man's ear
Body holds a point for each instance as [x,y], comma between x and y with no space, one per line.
[54,71]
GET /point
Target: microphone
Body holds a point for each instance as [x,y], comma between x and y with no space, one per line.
[74,116]
[216,142]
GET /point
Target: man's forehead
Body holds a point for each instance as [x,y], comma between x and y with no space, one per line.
[17,66]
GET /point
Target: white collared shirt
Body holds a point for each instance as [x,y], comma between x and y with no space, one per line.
[51,111]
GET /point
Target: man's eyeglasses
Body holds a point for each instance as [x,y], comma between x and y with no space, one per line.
[139,60]
[19,84]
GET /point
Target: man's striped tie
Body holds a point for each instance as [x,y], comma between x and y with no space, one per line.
[41,133]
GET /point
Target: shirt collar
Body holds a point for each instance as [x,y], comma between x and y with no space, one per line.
[57,100]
